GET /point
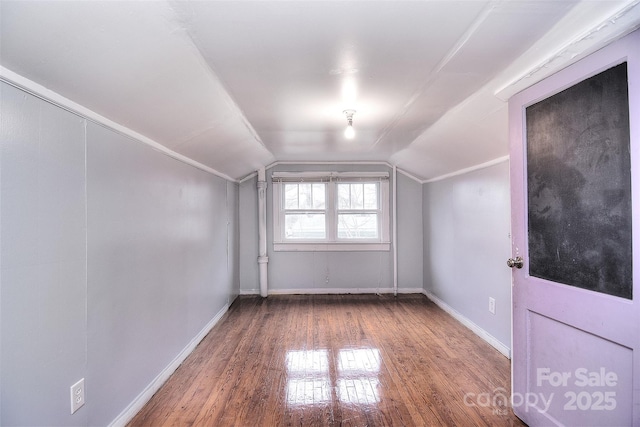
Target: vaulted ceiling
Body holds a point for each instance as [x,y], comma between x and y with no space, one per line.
[237,85]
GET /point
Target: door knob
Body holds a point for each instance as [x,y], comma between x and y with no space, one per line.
[518,262]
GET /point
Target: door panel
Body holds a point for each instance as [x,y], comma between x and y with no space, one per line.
[578,374]
[576,321]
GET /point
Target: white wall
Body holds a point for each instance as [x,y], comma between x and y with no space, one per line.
[114,257]
[43,260]
[347,272]
[466,246]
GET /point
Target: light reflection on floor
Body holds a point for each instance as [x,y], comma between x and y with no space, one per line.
[315,377]
[308,377]
[303,361]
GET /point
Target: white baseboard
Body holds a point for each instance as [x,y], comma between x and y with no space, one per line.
[144,397]
[342,291]
[490,339]
[328,291]
[410,290]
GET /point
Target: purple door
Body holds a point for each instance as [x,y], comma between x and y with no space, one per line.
[575,179]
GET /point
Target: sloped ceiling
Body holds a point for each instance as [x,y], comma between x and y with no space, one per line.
[236,85]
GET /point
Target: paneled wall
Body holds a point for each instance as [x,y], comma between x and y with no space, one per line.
[114,257]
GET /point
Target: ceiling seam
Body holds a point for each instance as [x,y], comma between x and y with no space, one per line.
[228,97]
[502,93]
[468,170]
[443,62]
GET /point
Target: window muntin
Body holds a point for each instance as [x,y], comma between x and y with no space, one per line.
[358,195]
[304,196]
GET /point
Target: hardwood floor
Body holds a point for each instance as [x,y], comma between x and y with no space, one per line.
[352,360]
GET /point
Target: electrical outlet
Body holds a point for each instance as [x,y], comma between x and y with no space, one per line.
[77,395]
[492,305]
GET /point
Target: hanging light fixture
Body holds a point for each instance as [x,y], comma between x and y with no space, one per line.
[349,133]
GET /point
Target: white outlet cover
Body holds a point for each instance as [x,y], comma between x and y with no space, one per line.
[77,396]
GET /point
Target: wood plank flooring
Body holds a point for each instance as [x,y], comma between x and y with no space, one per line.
[352,360]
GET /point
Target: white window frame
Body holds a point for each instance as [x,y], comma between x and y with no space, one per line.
[331,241]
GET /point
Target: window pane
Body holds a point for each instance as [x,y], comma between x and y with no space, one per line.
[304,226]
[304,196]
[350,196]
[357,196]
[304,191]
[357,226]
[318,196]
[344,197]
[371,196]
[291,196]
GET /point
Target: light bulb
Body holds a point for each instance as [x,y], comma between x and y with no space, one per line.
[349,133]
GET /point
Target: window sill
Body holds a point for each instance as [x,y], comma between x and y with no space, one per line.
[331,247]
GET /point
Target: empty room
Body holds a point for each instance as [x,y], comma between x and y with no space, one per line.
[319,213]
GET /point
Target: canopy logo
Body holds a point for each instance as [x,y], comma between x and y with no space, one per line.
[500,400]
[587,391]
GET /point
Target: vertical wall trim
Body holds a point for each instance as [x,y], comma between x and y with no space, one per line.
[86,249]
[395,230]
[263,260]
[1,163]
[228,218]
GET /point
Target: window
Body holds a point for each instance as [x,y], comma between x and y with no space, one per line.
[330,211]
[305,211]
[358,210]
